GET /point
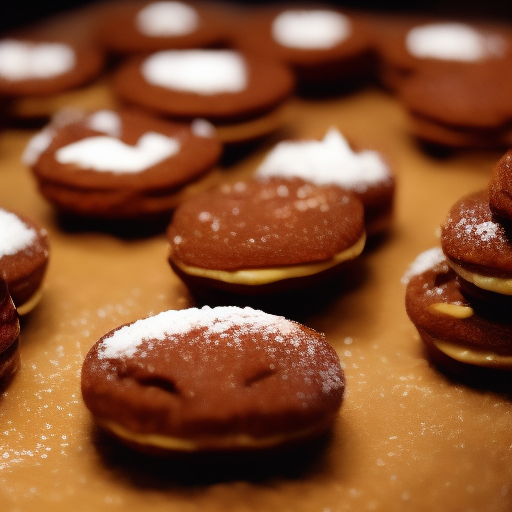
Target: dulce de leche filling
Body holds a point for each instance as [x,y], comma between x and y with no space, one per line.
[258,276]
[493,284]
[183,444]
[472,356]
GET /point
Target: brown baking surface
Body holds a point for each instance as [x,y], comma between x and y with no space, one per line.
[407,437]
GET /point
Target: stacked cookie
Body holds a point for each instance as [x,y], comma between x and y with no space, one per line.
[216,380]
[451,77]
[325,47]
[459,297]
[37,75]
[24,253]
[9,336]
[259,237]
[121,164]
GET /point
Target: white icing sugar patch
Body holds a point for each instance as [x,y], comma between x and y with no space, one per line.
[37,145]
[204,72]
[202,128]
[486,230]
[20,60]
[425,261]
[109,154]
[15,235]
[453,41]
[310,29]
[231,327]
[167,19]
[125,341]
[467,227]
[329,161]
[105,121]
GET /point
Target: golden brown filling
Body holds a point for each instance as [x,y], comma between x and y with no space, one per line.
[454,310]
[476,357]
[261,276]
[188,445]
[493,284]
[31,303]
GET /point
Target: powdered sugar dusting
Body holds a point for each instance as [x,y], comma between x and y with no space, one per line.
[202,128]
[315,29]
[486,230]
[471,226]
[453,41]
[15,235]
[222,325]
[198,71]
[21,60]
[325,162]
[425,261]
[105,121]
[167,19]
[109,154]
[37,145]
[125,341]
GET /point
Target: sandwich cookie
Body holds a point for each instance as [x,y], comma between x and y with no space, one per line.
[240,95]
[24,253]
[213,380]
[258,237]
[121,164]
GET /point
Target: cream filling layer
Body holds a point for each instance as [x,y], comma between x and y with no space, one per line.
[188,445]
[476,357]
[30,304]
[261,276]
[492,284]
[454,310]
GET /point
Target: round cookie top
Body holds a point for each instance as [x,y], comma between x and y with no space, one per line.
[208,379]
[451,94]
[315,41]
[475,240]
[30,67]
[123,149]
[223,86]
[454,41]
[260,224]
[500,187]
[475,332]
[24,252]
[411,45]
[9,322]
[144,27]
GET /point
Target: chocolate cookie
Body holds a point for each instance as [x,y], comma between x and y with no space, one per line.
[323,46]
[457,331]
[478,245]
[24,252]
[331,161]
[457,105]
[407,46]
[258,237]
[144,26]
[500,187]
[30,67]
[239,94]
[210,380]
[9,336]
[121,164]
